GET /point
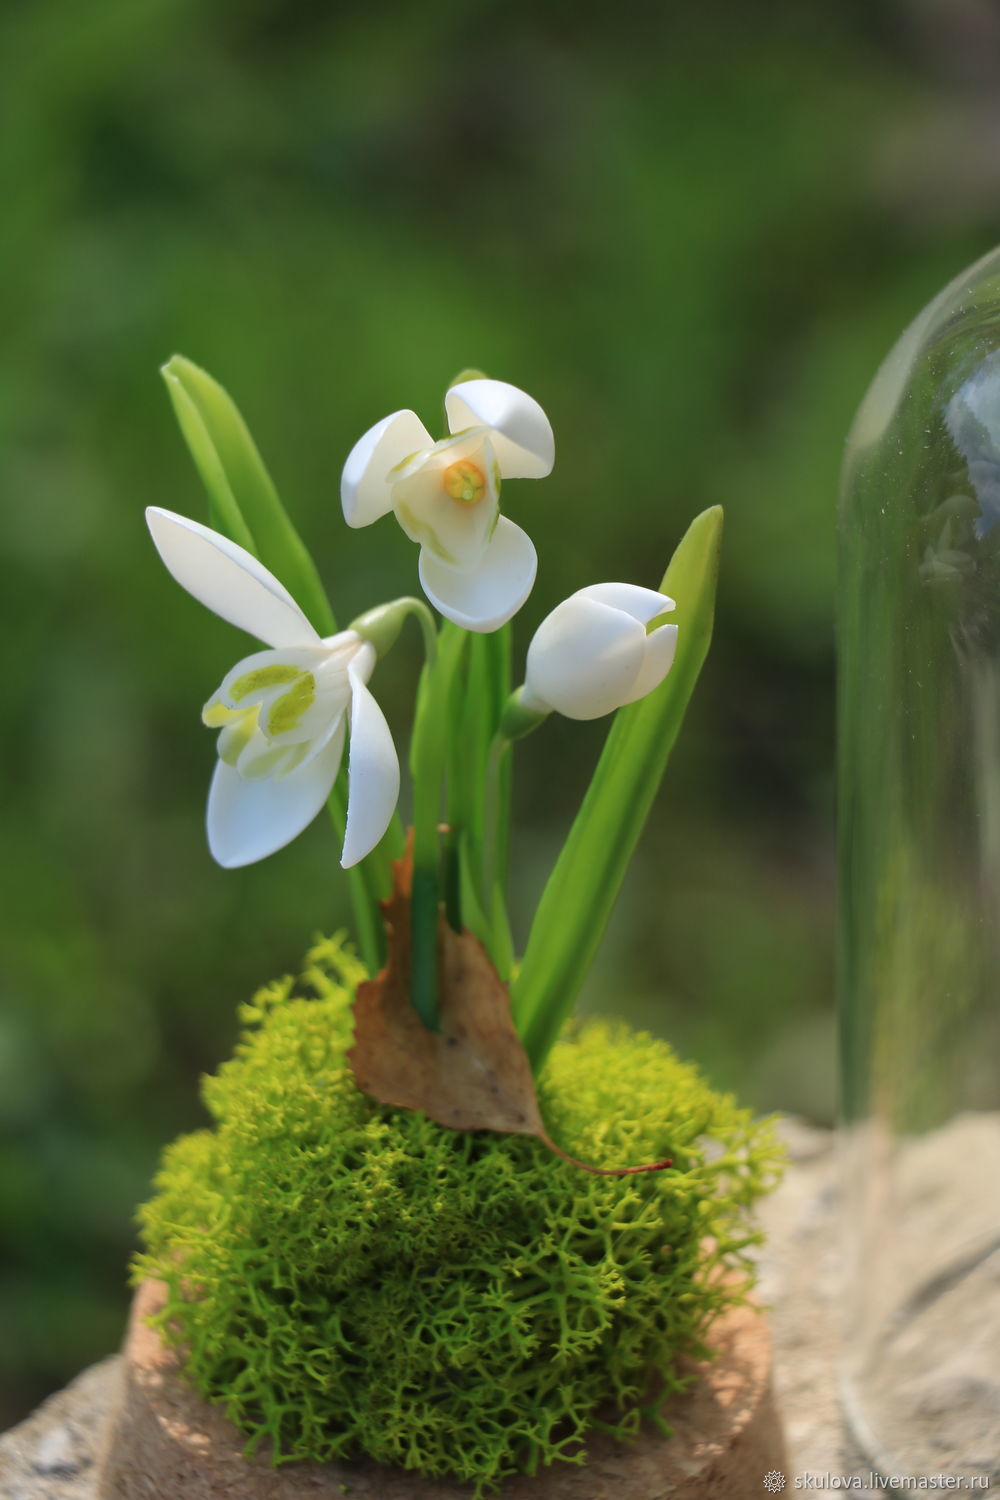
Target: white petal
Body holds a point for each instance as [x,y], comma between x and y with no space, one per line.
[373,769]
[584,658]
[228,580]
[641,604]
[458,533]
[248,820]
[661,647]
[365,492]
[261,757]
[520,431]
[484,597]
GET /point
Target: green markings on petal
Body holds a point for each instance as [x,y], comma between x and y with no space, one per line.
[274,762]
[288,711]
[257,682]
[418,530]
[236,736]
[404,463]
[255,691]
[243,745]
[237,725]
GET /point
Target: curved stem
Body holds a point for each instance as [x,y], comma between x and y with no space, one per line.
[381,625]
[425,620]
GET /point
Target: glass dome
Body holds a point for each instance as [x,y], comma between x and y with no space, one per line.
[919,815]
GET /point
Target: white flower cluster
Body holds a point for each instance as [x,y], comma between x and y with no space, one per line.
[284,714]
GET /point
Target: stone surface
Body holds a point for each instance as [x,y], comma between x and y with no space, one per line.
[926,1380]
[52,1456]
[799,1268]
[59,1451]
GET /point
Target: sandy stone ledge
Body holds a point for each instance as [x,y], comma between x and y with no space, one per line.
[55,1454]
[52,1456]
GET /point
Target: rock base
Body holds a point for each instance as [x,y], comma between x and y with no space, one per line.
[51,1455]
[166,1443]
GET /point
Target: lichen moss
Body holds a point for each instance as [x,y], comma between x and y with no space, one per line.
[350,1279]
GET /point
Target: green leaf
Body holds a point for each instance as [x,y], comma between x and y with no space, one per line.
[240,489]
[582,888]
[223,510]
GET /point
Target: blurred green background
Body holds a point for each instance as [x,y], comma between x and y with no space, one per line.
[690,232]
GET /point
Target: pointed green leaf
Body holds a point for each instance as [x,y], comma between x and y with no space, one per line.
[223,511]
[582,888]
[239,486]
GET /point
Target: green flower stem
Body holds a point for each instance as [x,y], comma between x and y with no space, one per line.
[500,831]
[514,722]
[428,760]
[373,882]
[479,796]
[467,760]
[582,888]
[467,710]
[368,927]
[455,901]
[517,720]
[491,862]
[369,882]
[381,626]
[496,782]
[502,947]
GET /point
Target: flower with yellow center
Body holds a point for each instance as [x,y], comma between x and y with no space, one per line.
[476,566]
[283,714]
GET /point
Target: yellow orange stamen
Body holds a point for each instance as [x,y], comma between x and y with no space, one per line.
[464,481]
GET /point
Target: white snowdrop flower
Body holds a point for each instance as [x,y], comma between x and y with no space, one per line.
[476,566]
[282,714]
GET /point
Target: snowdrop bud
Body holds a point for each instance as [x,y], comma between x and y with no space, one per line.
[594,653]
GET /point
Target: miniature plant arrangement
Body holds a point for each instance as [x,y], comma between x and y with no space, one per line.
[431,1225]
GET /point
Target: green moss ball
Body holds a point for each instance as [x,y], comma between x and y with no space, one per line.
[350,1279]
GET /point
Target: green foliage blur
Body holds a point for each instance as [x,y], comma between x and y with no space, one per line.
[690,232]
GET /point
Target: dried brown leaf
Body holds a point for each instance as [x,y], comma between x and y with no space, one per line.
[470,1074]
